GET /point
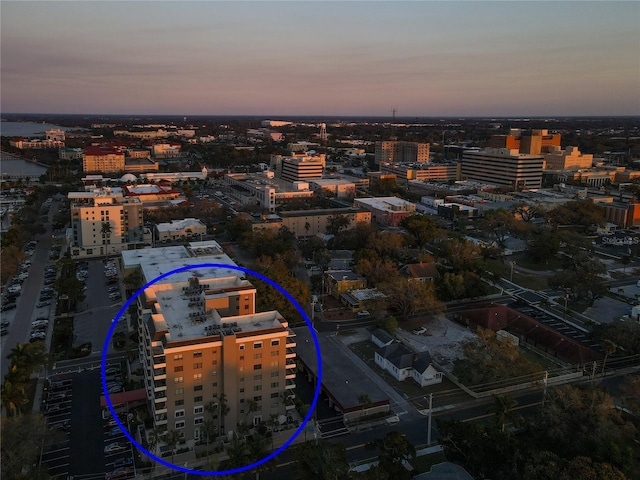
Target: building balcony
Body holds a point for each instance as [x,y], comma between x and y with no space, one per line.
[290,353]
[291,343]
[291,375]
[290,385]
[160,396]
[159,385]
[289,407]
[158,372]
[291,363]
[159,361]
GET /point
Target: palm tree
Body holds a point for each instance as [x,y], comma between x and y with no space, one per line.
[365,402]
[171,438]
[503,409]
[609,349]
[223,409]
[105,230]
[273,422]
[13,397]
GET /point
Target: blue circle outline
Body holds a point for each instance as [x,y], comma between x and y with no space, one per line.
[273,454]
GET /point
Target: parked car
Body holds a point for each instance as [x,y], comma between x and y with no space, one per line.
[119,473]
[123,462]
[115,296]
[44,303]
[8,306]
[114,447]
[419,331]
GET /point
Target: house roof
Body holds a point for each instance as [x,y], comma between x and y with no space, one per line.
[396,353]
[422,362]
[382,335]
[421,270]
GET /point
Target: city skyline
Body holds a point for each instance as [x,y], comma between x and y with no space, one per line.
[321,58]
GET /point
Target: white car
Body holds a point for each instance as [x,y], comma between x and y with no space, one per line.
[419,331]
[114,448]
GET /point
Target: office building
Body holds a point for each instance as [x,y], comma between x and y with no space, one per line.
[503,167]
[298,167]
[402,152]
[568,159]
[533,142]
[386,211]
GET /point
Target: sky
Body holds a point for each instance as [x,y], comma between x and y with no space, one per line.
[340,58]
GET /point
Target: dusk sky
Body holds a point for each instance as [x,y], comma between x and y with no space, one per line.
[321,58]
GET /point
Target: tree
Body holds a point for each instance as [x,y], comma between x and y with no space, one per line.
[105,230]
[526,212]
[549,466]
[410,297]
[365,403]
[320,460]
[498,223]
[134,281]
[583,275]
[171,438]
[609,348]
[543,246]
[376,270]
[503,410]
[14,397]
[337,223]
[394,450]
[420,227]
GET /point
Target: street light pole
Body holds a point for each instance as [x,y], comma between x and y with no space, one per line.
[511,276]
[429,419]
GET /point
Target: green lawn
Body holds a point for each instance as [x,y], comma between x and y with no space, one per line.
[531,281]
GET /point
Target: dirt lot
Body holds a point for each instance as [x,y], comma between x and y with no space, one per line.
[443,339]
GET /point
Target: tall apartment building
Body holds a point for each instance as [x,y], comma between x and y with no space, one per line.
[407,152]
[503,166]
[298,167]
[102,160]
[90,213]
[204,345]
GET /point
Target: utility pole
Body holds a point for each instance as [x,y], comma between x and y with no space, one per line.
[546,382]
[429,419]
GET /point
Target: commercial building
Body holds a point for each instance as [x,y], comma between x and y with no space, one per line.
[533,142]
[298,167]
[386,211]
[422,171]
[66,153]
[102,160]
[209,358]
[402,152]
[503,166]
[184,229]
[568,159]
[264,191]
[104,222]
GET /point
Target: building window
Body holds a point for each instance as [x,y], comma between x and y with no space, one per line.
[197,399]
[275,395]
[257,366]
[242,346]
[179,368]
[197,354]
[257,388]
[198,420]
[275,343]
[179,391]
[241,357]
[257,345]
[242,390]
[197,388]
[179,402]
[215,362]
[179,413]
[178,380]
[274,353]
[198,409]
[196,366]
[257,398]
[241,379]
[179,425]
[197,376]
[275,374]
[257,377]
[177,356]
[275,384]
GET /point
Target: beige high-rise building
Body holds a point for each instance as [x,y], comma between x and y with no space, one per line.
[402,152]
[104,222]
[102,160]
[503,166]
[211,361]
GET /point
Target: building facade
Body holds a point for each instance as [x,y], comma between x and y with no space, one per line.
[102,160]
[386,211]
[403,152]
[184,229]
[212,362]
[568,159]
[503,166]
[103,222]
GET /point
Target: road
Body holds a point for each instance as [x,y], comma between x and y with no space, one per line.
[21,317]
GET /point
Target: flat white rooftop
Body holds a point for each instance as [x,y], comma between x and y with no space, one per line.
[158,261]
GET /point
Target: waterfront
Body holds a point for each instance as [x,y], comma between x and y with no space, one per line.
[15,167]
[27,129]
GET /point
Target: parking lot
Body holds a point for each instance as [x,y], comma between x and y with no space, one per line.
[71,405]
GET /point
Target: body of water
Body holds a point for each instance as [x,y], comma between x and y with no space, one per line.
[17,167]
[27,129]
